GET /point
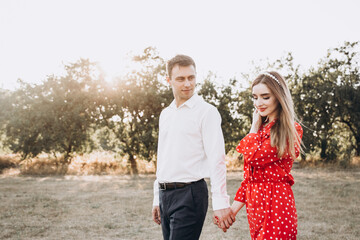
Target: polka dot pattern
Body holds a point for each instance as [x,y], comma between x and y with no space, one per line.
[266,189]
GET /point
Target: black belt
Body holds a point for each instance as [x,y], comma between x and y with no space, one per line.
[175,185]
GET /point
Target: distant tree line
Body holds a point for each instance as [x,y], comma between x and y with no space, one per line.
[81,112]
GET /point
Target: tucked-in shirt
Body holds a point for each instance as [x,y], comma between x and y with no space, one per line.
[191,147]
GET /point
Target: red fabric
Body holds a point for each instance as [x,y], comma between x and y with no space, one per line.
[266,189]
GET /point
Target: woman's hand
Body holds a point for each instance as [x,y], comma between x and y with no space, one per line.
[256,122]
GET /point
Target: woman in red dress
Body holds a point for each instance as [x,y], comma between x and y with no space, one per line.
[269,150]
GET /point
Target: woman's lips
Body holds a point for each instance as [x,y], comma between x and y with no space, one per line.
[262,109]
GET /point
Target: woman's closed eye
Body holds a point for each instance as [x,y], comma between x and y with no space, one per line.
[265,98]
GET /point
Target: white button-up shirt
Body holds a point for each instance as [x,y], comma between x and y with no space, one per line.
[191,147]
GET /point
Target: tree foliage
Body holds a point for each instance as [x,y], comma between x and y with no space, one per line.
[343,70]
[63,114]
[225,98]
[138,99]
[55,116]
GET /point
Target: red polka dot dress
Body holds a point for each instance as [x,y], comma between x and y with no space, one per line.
[266,189]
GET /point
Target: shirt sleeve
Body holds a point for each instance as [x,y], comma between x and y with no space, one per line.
[156,193]
[156,183]
[214,147]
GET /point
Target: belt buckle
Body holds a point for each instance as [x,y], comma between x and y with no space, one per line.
[162,188]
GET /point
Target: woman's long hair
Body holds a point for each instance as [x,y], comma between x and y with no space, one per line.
[283,134]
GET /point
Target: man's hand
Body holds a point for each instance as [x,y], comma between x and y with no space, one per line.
[224,218]
[156,214]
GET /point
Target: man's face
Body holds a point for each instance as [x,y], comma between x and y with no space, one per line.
[182,81]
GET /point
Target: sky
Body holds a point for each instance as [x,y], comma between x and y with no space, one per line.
[38,37]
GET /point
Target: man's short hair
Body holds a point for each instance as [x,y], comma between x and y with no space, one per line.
[181,60]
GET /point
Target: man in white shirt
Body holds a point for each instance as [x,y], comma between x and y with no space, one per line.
[190,148]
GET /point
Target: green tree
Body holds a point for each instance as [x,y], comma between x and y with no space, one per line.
[225,98]
[319,111]
[23,128]
[304,88]
[73,101]
[138,100]
[5,106]
[326,100]
[57,115]
[342,66]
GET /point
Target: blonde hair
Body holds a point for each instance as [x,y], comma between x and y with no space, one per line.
[283,134]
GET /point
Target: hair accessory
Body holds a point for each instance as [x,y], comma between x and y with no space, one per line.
[271,76]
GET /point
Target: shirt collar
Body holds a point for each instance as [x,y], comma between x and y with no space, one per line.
[190,103]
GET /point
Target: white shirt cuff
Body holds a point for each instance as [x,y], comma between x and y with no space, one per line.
[220,202]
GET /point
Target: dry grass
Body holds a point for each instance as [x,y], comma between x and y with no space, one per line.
[108,163]
[118,207]
[355,161]
[96,163]
[8,161]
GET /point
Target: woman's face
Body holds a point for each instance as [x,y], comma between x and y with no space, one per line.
[265,101]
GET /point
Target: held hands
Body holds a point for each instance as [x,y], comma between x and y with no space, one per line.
[156,214]
[224,218]
[232,211]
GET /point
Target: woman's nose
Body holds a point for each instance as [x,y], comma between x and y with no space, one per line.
[257,102]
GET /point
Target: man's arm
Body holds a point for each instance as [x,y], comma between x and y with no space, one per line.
[156,209]
[214,147]
[156,214]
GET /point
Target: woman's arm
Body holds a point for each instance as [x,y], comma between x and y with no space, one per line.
[236,206]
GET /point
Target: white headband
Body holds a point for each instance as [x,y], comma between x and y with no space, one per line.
[272,76]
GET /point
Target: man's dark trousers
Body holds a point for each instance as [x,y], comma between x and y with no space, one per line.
[183,211]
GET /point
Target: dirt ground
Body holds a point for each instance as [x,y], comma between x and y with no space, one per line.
[119,207]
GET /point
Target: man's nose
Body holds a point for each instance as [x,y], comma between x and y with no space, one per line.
[187,83]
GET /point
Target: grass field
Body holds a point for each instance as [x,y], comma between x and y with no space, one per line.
[119,207]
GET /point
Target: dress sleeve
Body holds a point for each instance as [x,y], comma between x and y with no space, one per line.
[247,148]
[248,145]
[266,154]
[241,192]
